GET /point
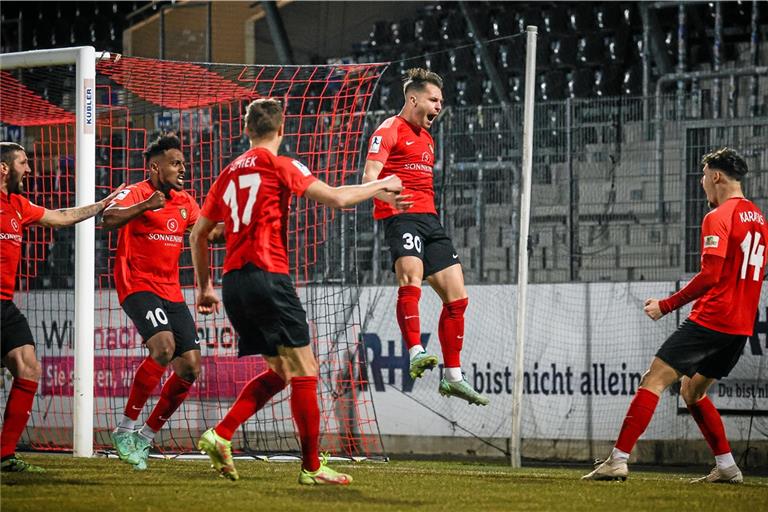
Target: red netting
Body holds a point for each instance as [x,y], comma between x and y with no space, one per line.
[136,100]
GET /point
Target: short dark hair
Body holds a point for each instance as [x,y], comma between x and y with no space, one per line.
[418,78]
[728,161]
[160,145]
[263,116]
[7,152]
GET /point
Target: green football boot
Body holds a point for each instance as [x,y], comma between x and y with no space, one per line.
[220,452]
[462,389]
[123,443]
[16,465]
[420,363]
[324,475]
[141,452]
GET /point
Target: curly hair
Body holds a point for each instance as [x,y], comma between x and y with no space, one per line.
[418,78]
[728,161]
[160,145]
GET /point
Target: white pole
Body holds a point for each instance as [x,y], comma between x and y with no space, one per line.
[84,58]
[515,441]
[85,234]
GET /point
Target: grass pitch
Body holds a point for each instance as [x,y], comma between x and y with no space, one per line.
[186,486]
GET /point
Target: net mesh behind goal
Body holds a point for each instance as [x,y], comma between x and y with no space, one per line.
[137,99]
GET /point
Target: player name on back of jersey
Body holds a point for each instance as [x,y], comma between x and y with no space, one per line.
[751,216]
[243,162]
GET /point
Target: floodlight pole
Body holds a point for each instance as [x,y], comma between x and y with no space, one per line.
[84,59]
[515,440]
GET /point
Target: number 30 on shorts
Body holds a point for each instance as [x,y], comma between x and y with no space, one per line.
[158,315]
[412,242]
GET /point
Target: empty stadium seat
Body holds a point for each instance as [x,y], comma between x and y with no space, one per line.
[581,83]
[555,20]
[582,18]
[564,51]
[608,80]
[590,49]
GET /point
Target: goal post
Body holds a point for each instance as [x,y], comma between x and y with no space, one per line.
[85,119]
[84,60]
[515,441]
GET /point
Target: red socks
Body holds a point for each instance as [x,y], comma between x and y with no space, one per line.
[306,414]
[711,425]
[144,382]
[253,396]
[637,419]
[408,314]
[174,391]
[17,411]
[451,331]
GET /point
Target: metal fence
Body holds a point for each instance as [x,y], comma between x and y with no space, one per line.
[609,201]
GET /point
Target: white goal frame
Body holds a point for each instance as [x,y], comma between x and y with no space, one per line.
[84,60]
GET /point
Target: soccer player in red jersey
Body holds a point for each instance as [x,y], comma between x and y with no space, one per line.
[18,347]
[420,247]
[152,217]
[708,344]
[252,197]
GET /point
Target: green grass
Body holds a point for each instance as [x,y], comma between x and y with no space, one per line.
[187,486]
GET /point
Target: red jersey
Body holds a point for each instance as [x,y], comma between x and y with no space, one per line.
[407,151]
[736,231]
[252,197]
[149,246]
[16,212]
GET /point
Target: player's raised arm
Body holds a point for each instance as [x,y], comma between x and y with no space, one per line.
[116,216]
[68,216]
[350,195]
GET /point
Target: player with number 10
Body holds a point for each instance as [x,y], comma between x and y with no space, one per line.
[153,216]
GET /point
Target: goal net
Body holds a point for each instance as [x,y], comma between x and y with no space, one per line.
[136,100]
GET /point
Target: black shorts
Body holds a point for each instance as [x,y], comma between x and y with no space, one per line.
[693,348]
[14,328]
[152,314]
[264,310]
[420,235]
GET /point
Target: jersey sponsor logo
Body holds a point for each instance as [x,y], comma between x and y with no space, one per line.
[409,142]
[375,144]
[183,212]
[418,167]
[711,241]
[301,167]
[159,237]
[172,225]
[11,236]
[455,256]
[122,195]
[15,225]
[751,216]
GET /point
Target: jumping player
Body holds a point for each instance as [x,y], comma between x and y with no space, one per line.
[152,217]
[18,347]
[252,196]
[708,344]
[420,247]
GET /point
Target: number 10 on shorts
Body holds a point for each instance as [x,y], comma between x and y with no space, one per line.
[157,316]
